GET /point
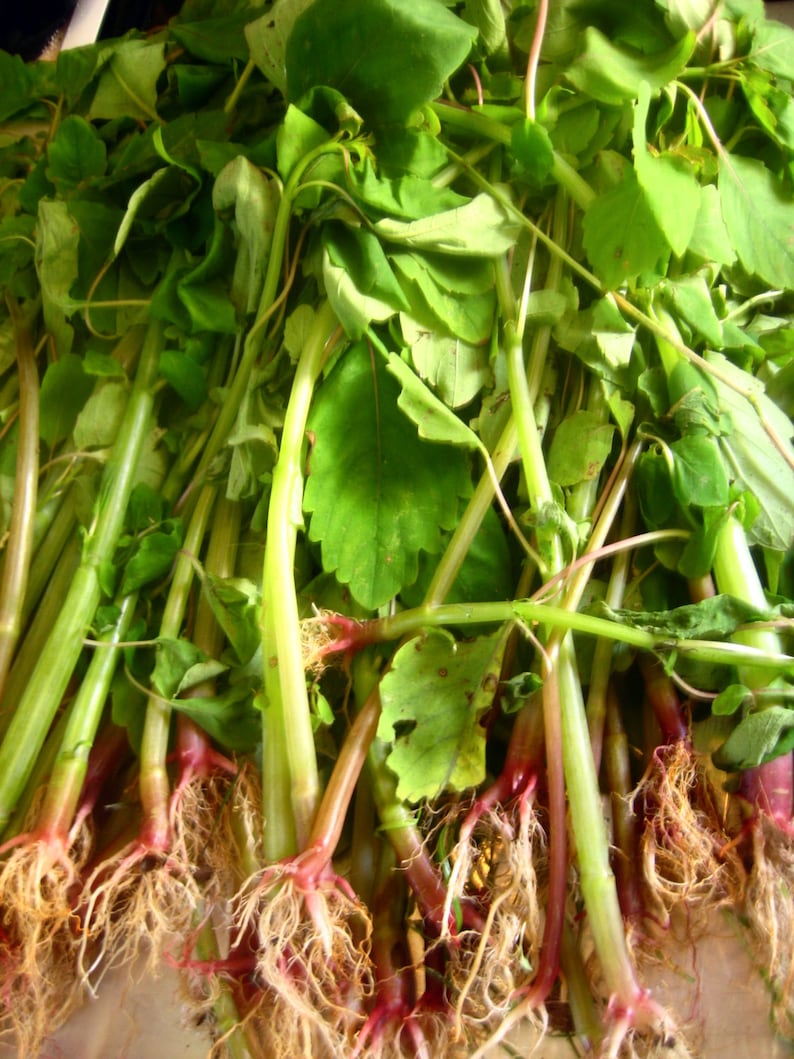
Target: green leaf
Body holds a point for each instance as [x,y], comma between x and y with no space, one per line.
[710,240]
[64,390]
[611,73]
[128,83]
[758,737]
[16,82]
[432,700]
[456,369]
[434,421]
[773,48]
[267,38]
[255,200]
[377,494]
[57,267]
[580,448]
[434,303]
[699,476]
[236,603]
[730,699]
[354,309]
[482,228]
[185,376]
[408,196]
[297,135]
[75,154]
[691,297]
[621,234]
[755,461]
[532,146]
[667,179]
[716,618]
[388,58]
[153,557]
[173,659]
[100,418]
[230,718]
[759,215]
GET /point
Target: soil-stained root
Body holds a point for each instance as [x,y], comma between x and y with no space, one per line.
[686,860]
[39,984]
[769,909]
[502,866]
[311,939]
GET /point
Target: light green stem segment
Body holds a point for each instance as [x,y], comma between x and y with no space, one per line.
[66,781]
[44,691]
[19,546]
[153,780]
[736,575]
[287,715]
[596,878]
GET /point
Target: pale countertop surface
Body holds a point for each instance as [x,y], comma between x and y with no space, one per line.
[715,994]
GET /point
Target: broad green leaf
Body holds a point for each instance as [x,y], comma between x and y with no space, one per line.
[690,296]
[354,309]
[710,240]
[16,82]
[75,154]
[65,388]
[57,267]
[360,253]
[773,48]
[621,235]
[185,376]
[230,718]
[466,316]
[580,447]
[758,737]
[153,557]
[457,370]
[753,459]
[377,494]
[267,38]
[489,18]
[699,476]
[386,57]
[128,83]
[730,699]
[408,196]
[611,73]
[432,418]
[235,603]
[482,228]
[432,700]
[668,181]
[100,418]
[297,135]
[759,215]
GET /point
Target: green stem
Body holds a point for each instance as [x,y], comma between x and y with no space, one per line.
[19,544]
[412,621]
[44,691]
[38,631]
[153,781]
[285,677]
[71,764]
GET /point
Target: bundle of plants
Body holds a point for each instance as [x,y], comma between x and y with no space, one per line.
[395,507]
